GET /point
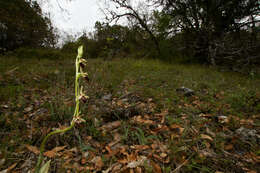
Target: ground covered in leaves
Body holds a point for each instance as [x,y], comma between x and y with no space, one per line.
[140,117]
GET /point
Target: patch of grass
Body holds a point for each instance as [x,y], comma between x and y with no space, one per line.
[48,84]
[43,53]
[92,130]
[152,78]
[10,91]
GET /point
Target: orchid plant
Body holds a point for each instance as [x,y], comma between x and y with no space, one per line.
[79,97]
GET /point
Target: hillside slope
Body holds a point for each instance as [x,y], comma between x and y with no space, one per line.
[140,117]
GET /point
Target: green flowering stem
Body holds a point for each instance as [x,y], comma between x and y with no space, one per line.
[76,117]
[42,147]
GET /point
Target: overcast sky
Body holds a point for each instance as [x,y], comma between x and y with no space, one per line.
[79,14]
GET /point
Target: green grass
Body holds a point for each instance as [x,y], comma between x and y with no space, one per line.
[48,84]
[152,78]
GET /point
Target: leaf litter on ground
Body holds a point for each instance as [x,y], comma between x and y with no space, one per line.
[179,140]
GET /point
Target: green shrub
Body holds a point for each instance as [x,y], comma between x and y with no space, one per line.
[39,53]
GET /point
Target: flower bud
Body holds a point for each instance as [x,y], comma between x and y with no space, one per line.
[78,120]
[82,62]
[80,51]
[85,76]
[83,98]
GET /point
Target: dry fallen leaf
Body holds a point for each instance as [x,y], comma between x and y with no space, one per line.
[137,163]
[32,149]
[117,139]
[228,147]
[5,106]
[77,167]
[163,155]
[2,161]
[28,109]
[116,167]
[162,115]
[247,122]
[52,153]
[210,132]
[223,119]
[138,170]
[110,126]
[11,167]
[156,167]
[160,129]
[138,120]
[9,72]
[205,115]
[98,162]
[108,149]
[83,161]
[251,171]
[157,157]
[140,147]
[177,128]
[206,153]
[203,136]
[207,144]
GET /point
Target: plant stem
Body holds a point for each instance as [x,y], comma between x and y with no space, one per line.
[37,169]
[75,116]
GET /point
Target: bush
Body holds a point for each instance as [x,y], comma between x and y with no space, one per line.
[70,47]
[40,53]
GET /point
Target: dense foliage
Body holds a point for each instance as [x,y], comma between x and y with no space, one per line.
[206,31]
[209,23]
[109,41]
[23,24]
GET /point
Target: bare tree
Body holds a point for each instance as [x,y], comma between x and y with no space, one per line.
[125,8]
